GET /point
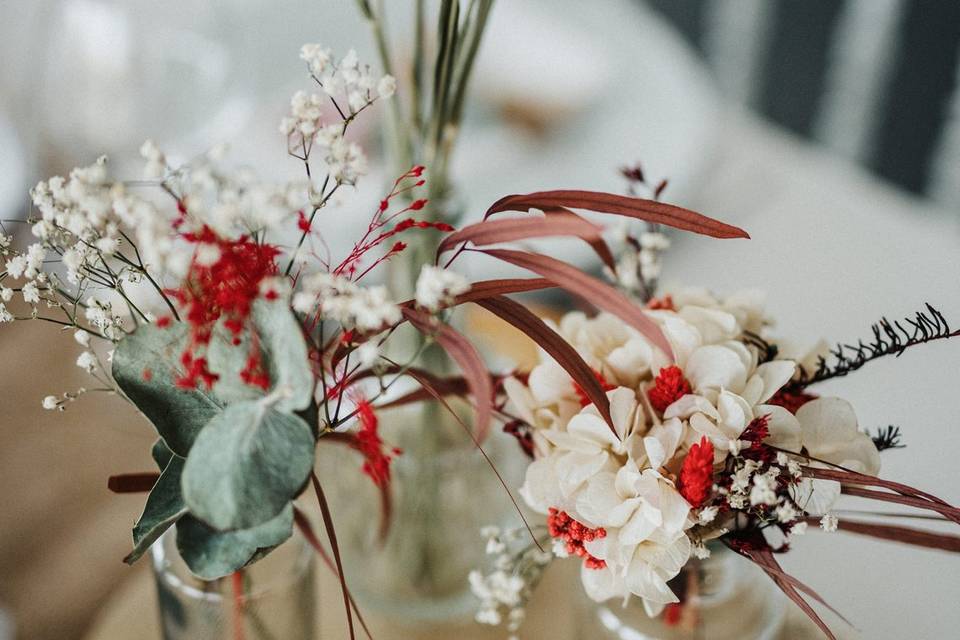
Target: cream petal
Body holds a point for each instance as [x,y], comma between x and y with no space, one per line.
[550,383]
[599,504]
[541,487]
[825,422]
[714,325]
[575,468]
[601,584]
[689,404]
[643,581]
[656,454]
[774,374]
[673,507]
[631,361]
[735,413]
[816,497]
[592,429]
[715,366]
[520,398]
[638,528]
[783,425]
[623,404]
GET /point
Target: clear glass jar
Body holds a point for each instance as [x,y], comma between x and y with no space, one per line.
[442,493]
[278,599]
[728,599]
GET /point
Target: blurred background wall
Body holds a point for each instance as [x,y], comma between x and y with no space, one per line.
[873,80]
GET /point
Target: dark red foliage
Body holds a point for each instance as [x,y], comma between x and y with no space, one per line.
[668,387]
[523,433]
[790,399]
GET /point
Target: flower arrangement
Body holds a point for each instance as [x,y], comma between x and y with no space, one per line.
[211,301]
[709,431]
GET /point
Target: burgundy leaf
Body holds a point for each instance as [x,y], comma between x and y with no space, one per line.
[332,536]
[952,513]
[589,288]
[558,348]
[852,477]
[649,210]
[554,222]
[903,535]
[386,502]
[502,286]
[303,524]
[467,358]
[132,482]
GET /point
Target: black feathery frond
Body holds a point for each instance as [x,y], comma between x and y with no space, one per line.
[889,338]
[767,351]
[888,438]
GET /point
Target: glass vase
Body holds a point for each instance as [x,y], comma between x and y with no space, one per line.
[276,600]
[416,574]
[724,597]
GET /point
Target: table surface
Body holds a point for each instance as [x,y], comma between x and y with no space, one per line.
[132,614]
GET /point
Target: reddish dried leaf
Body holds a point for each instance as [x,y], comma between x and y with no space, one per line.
[952,513]
[555,222]
[903,535]
[590,289]
[502,286]
[303,524]
[132,482]
[467,358]
[649,210]
[558,348]
[332,536]
[852,477]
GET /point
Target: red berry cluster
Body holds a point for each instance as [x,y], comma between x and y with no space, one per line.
[574,534]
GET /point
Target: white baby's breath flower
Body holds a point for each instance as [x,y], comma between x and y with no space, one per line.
[829,523]
[6,294]
[707,515]
[369,353]
[387,86]
[437,287]
[30,292]
[5,315]
[50,403]
[87,361]
[82,337]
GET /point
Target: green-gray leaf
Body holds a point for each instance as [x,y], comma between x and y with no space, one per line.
[246,465]
[161,453]
[164,507]
[212,554]
[284,353]
[177,414]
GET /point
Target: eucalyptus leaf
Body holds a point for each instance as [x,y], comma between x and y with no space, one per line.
[284,357]
[144,365]
[212,554]
[246,465]
[164,507]
[161,453]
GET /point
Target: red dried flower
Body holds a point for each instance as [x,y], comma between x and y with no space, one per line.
[224,290]
[368,442]
[668,387]
[696,476]
[665,303]
[606,386]
[574,534]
